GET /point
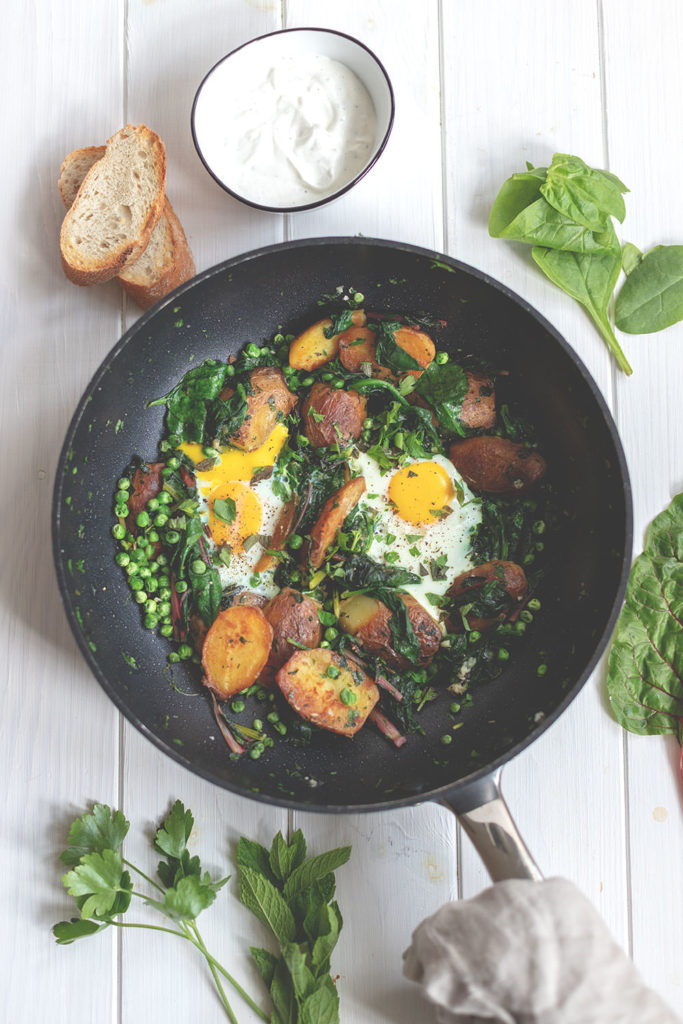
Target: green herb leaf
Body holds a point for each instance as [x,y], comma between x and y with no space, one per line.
[171,838]
[340,322]
[315,868]
[322,1007]
[590,280]
[265,901]
[266,964]
[389,353]
[539,223]
[225,509]
[294,955]
[67,932]
[103,829]
[582,193]
[645,665]
[252,855]
[186,900]
[652,296]
[102,882]
[186,402]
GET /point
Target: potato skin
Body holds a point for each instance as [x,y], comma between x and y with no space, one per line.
[495,465]
[331,519]
[343,415]
[357,346]
[293,616]
[236,649]
[466,585]
[312,349]
[268,404]
[146,483]
[375,631]
[316,696]
[479,404]
[281,531]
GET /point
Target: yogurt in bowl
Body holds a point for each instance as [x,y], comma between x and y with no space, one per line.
[294,119]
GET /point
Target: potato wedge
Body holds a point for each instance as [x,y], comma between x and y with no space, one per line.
[281,531]
[327,690]
[269,402]
[146,483]
[236,649]
[293,617]
[418,345]
[357,346]
[494,465]
[479,404]
[331,519]
[466,587]
[332,416]
[312,348]
[368,620]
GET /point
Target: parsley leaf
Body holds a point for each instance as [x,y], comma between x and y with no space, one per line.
[225,509]
[103,829]
[100,884]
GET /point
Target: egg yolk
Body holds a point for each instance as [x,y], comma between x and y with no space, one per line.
[234,464]
[419,491]
[247,518]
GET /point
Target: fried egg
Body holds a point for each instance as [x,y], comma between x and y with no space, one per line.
[231,476]
[424,517]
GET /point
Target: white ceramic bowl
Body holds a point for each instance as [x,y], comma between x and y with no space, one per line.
[219,87]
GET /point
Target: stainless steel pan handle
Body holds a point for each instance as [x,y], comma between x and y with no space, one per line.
[493,832]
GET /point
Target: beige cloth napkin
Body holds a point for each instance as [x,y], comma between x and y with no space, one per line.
[528,953]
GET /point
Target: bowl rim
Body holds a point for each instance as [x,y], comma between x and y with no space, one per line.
[339,192]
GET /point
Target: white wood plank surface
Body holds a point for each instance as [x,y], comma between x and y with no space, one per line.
[480,86]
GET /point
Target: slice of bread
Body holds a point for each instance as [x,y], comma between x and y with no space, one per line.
[116,208]
[166,262]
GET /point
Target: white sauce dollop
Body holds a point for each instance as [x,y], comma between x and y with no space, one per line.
[295,132]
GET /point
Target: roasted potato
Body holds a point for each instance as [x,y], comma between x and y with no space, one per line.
[281,531]
[331,519]
[479,404]
[146,483]
[466,590]
[367,619]
[312,348]
[332,416]
[324,688]
[494,465]
[418,345]
[269,402]
[248,597]
[293,617]
[236,650]
[357,346]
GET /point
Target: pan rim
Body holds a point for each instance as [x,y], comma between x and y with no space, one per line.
[537,729]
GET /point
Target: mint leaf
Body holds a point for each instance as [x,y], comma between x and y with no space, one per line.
[99,879]
[265,962]
[103,829]
[265,901]
[282,994]
[251,854]
[322,1007]
[172,837]
[328,927]
[314,869]
[284,858]
[67,932]
[302,978]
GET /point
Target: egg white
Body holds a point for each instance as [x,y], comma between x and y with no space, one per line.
[450,536]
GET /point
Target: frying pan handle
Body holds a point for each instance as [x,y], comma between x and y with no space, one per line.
[485,817]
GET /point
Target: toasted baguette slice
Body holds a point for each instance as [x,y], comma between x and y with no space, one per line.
[116,208]
[166,262]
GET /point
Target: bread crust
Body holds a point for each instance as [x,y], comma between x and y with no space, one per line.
[86,270]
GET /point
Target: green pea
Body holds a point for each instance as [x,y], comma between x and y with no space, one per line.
[185,651]
[165,498]
[503,655]
[331,633]
[474,635]
[123,483]
[150,606]
[173,463]
[295,541]
[441,358]
[152,504]
[160,519]
[181,586]
[142,519]
[257,725]
[173,657]
[339,384]
[333,672]
[140,597]
[278,339]
[151,621]
[446,739]
[307,381]
[237,706]
[327,376]
[454,708]
[172,537]
[256,751]
[210,453]
[121,497]
[253,350]
[280,727]
[199,567]
[541,670]
[272,717]
[135,583]
[348,696]
[122,559]
[166,629]
[534,604]
[118,531]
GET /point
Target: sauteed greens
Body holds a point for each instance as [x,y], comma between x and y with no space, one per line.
[337,522]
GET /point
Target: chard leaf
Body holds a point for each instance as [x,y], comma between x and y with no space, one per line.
[186,402]
[645,666]
[582,193]
[66,932]
[265,901]
[652,295]
[100,884]
[315,868]
[590,280]
[103,829]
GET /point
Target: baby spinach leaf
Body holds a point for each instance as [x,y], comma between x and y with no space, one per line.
[590,280]
[652,296]
[541,224]
[186,403]
[388,352]
[582,193]
[518,192]
[645,666]
[630,257]
[444,386]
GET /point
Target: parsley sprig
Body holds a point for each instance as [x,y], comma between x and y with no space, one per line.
[291,894]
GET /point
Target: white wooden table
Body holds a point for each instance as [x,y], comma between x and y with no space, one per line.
[481,86]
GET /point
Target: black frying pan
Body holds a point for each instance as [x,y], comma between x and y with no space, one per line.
[247,299]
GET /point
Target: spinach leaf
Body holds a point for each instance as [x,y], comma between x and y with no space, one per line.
[645,666]
[582,193]
[444,387]
[541,224]
[518,192]
[652,296]
[630,257]
[388,352]
[225,416]
[590,280]
[361,572]
[340,322]
[186,403]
